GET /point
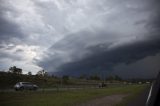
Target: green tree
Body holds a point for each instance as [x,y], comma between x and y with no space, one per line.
[29,73]
[65,79]
[110,78]
[94,77]
[117,78]
[15,70]
[83,76]
[42,73]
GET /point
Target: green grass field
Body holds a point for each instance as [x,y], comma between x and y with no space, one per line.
[66,98]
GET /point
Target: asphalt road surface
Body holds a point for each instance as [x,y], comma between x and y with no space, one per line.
[52,89]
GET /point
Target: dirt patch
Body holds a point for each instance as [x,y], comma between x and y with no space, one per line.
[104,101]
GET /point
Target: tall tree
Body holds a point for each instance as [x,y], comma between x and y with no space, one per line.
[30,73]
[65,79]
[94,77]
[42,73]
[15,70]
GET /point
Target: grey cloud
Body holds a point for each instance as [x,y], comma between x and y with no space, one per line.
[8,29]
[74,47]
[83,36]
[106,59]
[11,56]
[19,51]
[144,68]
[93,46]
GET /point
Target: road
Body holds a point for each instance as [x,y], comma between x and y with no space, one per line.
[52,89]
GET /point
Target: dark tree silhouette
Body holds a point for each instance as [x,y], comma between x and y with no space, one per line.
[15,70]
[29,73]
[42,73]
[94,77]
[65,79]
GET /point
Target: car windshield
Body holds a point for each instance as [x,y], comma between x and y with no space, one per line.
[27,83]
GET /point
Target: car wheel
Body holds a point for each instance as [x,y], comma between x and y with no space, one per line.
[21,88]
[34,88]
[16,89]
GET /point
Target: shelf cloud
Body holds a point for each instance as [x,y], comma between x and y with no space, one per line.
[78,37]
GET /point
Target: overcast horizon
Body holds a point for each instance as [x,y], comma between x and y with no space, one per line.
[77,37]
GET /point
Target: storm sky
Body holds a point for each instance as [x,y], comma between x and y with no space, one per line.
[77,37]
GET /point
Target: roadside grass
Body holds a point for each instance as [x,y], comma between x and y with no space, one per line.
[132,95]
[65,98]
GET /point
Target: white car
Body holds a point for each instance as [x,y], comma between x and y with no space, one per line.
[25,86]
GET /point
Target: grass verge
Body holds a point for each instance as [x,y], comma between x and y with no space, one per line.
[63,98]
[132,95]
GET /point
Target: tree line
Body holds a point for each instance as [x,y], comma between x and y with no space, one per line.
[15,70]
[42,79]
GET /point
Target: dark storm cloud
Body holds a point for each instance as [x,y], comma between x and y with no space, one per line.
[73,47]
[14,35]
[81,36]
[10,33]
[8,29]
[144,68]
[100,56]
[102,59]
[13,57]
